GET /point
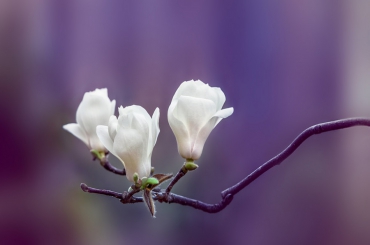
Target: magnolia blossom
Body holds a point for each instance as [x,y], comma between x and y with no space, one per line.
[95,109]
[194,111]
[131,138]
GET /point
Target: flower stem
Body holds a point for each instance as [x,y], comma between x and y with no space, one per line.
[104,162]
[178,176]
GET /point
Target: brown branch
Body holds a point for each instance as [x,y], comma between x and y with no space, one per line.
[88,189]
[163,197]
[178,176]
[316,129]
[105,163]
[113,169]
[227,195]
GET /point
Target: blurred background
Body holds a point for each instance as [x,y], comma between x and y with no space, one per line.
[283,66]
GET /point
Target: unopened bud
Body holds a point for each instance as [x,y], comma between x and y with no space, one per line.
[135,177]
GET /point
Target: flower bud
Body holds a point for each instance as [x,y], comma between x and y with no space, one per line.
[95,109]
[194,111]
[131,139]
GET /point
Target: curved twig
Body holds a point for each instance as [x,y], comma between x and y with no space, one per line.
[178,176]
[228,194]
[113,169]
[316,129]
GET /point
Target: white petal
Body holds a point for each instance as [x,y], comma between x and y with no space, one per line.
[185,88]
[202,137]
[105,139]
[220,97]
[134,109]
[180,131]
[77,131]
[112,126]
[94,110]
[224,113]
[192,88]
[131,146]
[154,131]
[194,113]
[102,92]
[207,129]
[113,106]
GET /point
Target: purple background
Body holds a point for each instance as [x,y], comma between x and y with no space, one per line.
[283,66]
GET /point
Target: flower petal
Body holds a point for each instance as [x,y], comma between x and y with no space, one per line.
[105,139]
[131,145]
[194,113]
[220,101]
[77,131]
[207,129]
[224,113]
[102,92]
[153,132]
[113,106]
[94,110]
[202,137]
[180,131]
[112,126]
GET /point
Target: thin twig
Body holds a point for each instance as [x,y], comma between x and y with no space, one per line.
[227,195]
[103,159]
[178,176]
[113,169]
[316,129]
[88,189]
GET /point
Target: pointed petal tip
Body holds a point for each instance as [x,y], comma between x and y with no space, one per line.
[77,131]
[224,113]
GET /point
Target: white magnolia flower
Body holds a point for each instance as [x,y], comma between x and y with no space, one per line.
[194,111]
[131,138]
[95,109]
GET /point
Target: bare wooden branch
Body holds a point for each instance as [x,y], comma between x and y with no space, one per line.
[113,169]
[178,176]
[88,189]
[228,194]
[164,197]
[316,129]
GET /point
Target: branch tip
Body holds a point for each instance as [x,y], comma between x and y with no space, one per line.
[84,187]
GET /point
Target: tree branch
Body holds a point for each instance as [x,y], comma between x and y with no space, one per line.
[163,197]
[316,129]
[112,169]
[228,194]
[88,189]
[178,176]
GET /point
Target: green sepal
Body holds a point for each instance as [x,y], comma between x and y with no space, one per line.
[190,165]
[135,177]
[143,183]
[148,183]
[162,177]
[98,154]
[152,181]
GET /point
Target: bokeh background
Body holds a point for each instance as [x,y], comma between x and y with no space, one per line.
[283,65]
